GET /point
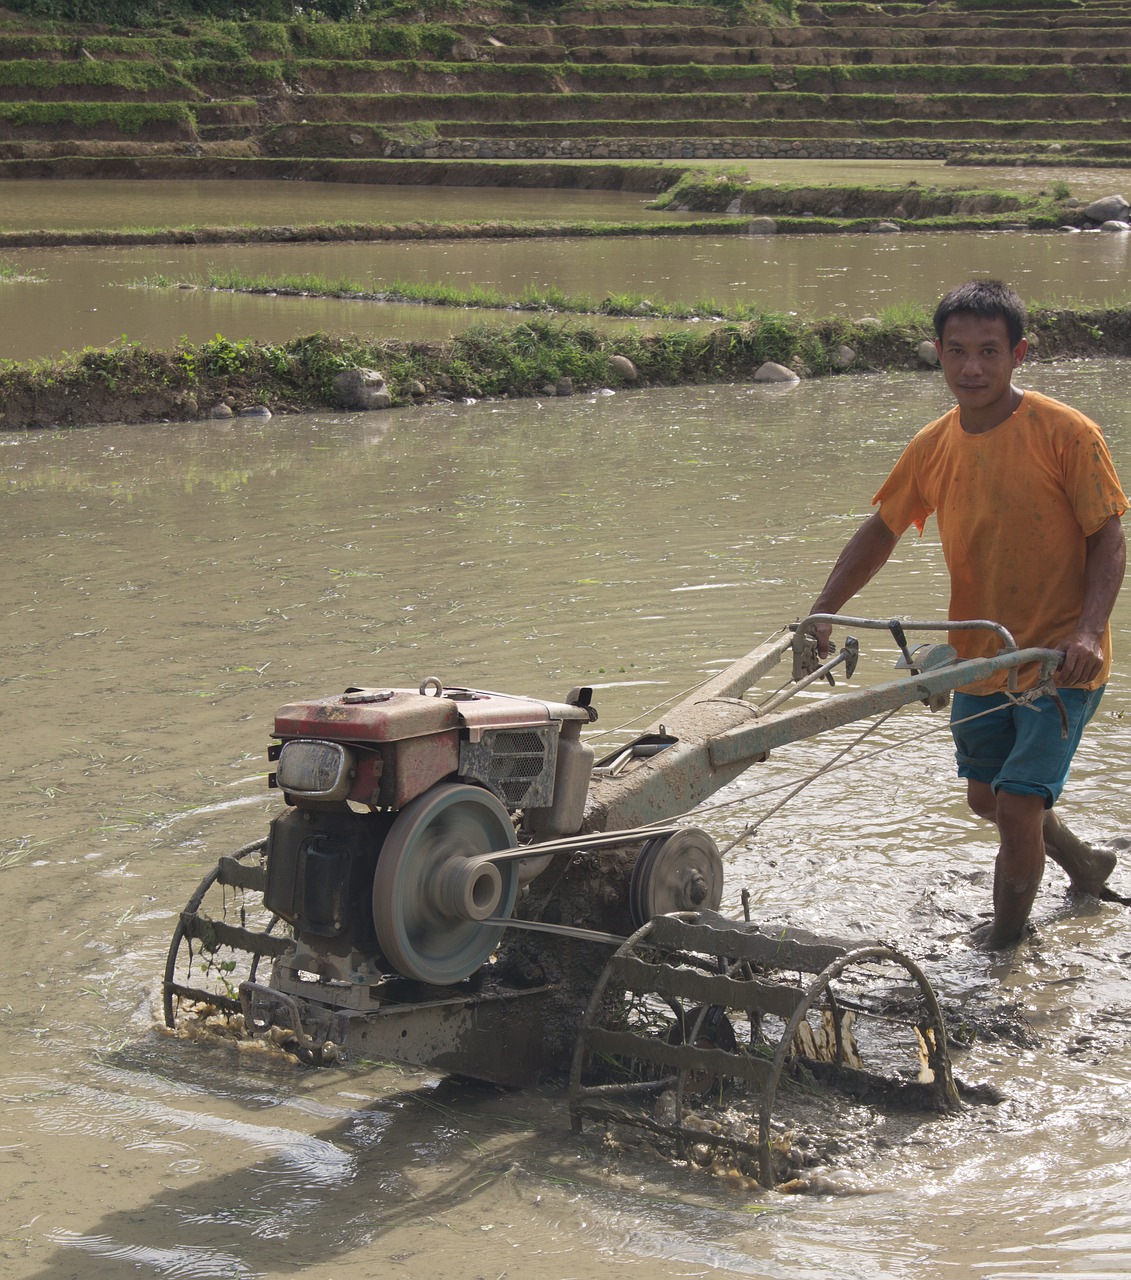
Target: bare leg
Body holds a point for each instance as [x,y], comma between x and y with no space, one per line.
[1087,867]
[1019,866]
[1020,860]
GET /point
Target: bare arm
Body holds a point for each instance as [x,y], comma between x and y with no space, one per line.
[864,555]
[1106,558]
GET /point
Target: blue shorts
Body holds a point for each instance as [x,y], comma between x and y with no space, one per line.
[1020,748]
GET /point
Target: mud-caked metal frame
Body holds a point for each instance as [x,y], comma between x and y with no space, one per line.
[700,962]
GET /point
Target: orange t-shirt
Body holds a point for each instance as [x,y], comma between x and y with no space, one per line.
[1014,506]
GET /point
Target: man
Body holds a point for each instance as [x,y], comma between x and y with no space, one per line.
[1028,506]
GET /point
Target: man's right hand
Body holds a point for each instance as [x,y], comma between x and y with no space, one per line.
[823,632]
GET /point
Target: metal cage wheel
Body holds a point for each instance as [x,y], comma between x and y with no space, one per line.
[429,897]
[945,1088]
[168,981]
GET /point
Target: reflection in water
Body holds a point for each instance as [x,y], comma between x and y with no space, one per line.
[87,204]
[29,204]
[79,299]
[167,588]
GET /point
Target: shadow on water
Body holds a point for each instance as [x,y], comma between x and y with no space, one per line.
[302,1198]
[445,1178]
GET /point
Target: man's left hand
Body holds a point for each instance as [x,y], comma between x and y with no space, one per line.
[1083,659]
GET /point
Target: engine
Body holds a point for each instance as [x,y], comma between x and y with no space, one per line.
[395,797]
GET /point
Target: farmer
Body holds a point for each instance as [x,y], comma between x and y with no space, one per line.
[1028,507]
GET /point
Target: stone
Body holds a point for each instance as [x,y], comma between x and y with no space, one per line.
[255,411]
[869,322]
[761,227]
[773,372]
[623,367]
[735,206]
[884,228]
[844,358]
[417,389]
[928,353]
[1070,229]
[549,389]
[361,389]
[1115,224]
[1110,207]
[564,387]
[221,410]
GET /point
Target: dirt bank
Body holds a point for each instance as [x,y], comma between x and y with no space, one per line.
[134,384]
[626,176]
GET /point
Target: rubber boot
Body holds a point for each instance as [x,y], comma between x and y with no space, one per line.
[1086,866]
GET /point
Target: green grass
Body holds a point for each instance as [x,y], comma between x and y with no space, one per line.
[552,300]
[131,77]
[126,117]
[486,361]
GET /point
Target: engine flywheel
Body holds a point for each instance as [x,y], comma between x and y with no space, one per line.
[429,895]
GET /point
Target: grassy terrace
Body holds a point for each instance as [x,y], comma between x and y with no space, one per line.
[193,79]
[749,75]
[131,383]
[376,100]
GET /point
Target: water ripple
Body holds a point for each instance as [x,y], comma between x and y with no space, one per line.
[179,1263]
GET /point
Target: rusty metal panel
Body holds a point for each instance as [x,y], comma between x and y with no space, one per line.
[366,787]
[367,715]
[517,764]
[479,709]
[411,767]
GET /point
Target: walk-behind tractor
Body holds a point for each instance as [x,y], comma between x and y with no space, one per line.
[456,882]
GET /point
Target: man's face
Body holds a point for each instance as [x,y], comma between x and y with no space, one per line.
[978,363]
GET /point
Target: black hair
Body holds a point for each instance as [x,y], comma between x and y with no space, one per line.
[988,298]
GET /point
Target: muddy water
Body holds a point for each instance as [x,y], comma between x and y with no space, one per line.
[31,204]
[78,296]
[165,589]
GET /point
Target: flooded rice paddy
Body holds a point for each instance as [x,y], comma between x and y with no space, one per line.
[80,297]
[167,587]
[32,204]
